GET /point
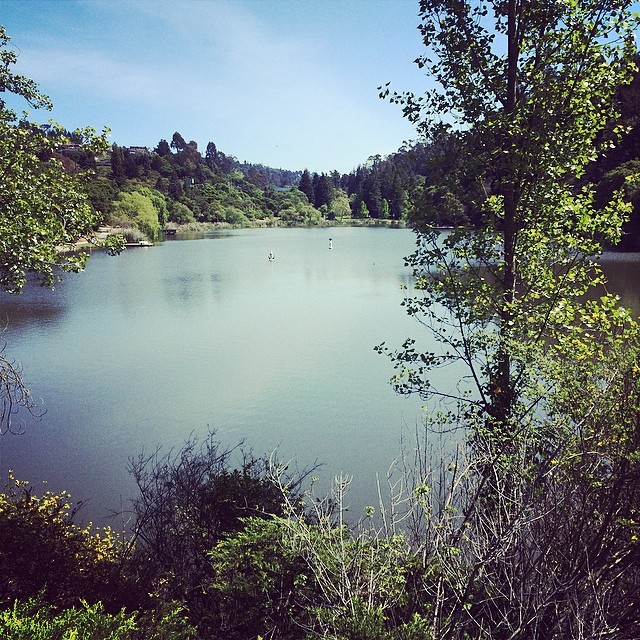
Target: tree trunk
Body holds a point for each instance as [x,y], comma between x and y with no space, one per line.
[501,391]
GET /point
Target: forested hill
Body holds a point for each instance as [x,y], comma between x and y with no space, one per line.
[175,184]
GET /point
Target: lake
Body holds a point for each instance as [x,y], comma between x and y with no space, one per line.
[161,343]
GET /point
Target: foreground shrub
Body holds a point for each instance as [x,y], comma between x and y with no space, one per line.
[33,620]
[188,501]
[261,584]
[44,553]
[309,574]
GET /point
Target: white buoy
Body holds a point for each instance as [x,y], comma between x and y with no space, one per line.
[330,243]
[271,255]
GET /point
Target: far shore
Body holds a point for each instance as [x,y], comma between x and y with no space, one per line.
[104,231]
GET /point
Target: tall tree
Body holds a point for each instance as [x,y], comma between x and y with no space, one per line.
[42,207]
[306,186]
[211,155]
[530,119]
[541,526]
[118,174]
[323,191]
[397,197]
[178,142]
[163,148]
[372,193]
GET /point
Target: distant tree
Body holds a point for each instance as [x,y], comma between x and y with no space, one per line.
[385,210]
[306,185]
[226,162]
[315,181]
[178,142]
[323,191]
[372,193]
[118,174]
[363,211]
[180,213]
[176,189]
[139,208]
[397,197]
[339,207]
[101,192]
[211,155]
[159,202]
[131,164]
[163,148]
[160,164]
[256,177]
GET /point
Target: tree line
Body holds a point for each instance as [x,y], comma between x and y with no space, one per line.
[178,185]
[422,184]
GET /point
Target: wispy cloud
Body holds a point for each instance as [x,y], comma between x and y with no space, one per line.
[90,71]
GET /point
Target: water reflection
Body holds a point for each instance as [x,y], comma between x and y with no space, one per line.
[185,286]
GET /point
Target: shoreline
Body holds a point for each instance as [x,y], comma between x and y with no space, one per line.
[104,231]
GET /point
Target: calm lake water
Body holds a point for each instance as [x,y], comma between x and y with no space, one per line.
[161,343]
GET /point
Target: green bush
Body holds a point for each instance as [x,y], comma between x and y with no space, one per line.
[188,502]
[34,620]
[43,552]
[140,209]
[260,583]
[180,213]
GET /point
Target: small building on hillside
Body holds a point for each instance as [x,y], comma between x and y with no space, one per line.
[138,151]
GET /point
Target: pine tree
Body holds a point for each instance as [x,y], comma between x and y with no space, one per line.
[306,186]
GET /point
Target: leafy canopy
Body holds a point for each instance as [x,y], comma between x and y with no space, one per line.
[42,207]
[528,90]
[531,531]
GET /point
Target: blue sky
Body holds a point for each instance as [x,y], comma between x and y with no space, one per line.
[286,83]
